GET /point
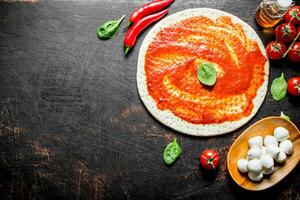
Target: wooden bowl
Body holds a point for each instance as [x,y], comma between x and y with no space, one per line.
[240,148]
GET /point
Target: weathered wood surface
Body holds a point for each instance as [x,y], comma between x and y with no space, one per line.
[72,125]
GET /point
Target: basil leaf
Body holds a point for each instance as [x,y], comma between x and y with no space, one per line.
[109,29]
[282,115]
[279,88]
[207,74]
[171,152]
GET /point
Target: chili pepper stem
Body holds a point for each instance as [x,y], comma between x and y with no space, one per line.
[284,55]
[127,49]
[127,26]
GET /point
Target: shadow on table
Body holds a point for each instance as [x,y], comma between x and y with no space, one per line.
[275,192]
[208,176]
[294,100]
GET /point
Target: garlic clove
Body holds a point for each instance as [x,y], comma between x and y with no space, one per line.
[281,134]
[281,158]
[268,171]
[255,141]
[272,150]
[254,166]
[287,147]
[242,165]
[255,176]
[270,139]
[267,162]
[254,153]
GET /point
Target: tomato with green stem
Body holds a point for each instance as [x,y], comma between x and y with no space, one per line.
[285,32]
[292,15]
[209,159]
[294,52]
[275,50]
[293,86]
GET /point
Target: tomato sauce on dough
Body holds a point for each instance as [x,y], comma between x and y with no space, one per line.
[174,55]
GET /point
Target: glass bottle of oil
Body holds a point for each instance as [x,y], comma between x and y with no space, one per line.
[270,12]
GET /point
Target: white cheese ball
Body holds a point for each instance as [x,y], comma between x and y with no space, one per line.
[270,139]
[254,153]
[254,166]
[255,141]
[287,147]
[272,150]
[281,157]
[267,162]
[255,176]
[281,134]
[263,150]
[268,171]
[242,165]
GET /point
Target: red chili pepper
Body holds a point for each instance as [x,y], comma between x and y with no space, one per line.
[139,26]
[147,9]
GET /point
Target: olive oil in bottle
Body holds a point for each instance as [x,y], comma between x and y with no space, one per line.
[270,12]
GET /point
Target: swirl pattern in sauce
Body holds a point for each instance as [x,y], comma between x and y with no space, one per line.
[174,55]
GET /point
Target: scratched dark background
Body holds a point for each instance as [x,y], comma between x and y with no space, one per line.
[72,125]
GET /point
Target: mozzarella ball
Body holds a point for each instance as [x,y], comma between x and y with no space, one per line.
[281,134]
[286,146]
[272,150]
[242,165]
[268,171]
[254,153]
[254,166]
[263,150]
[255,176]
[281,157]
[270,139]
[267,161]
[255,141]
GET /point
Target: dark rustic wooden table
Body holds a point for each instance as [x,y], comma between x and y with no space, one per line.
[72,125]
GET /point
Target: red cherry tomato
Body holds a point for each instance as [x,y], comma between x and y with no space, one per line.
[285,32]
[294,53]
[293,15]
[209,159]
[275,50]
[298,32]
[294,86]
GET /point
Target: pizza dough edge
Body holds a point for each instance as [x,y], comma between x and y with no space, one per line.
[166,117]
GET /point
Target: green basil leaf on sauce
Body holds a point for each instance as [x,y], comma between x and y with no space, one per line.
[282,115]
[171,152]
[207,74]
[279,88]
